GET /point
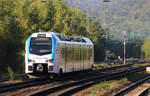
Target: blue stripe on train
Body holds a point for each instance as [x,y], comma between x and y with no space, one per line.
[28,46]
[53,47]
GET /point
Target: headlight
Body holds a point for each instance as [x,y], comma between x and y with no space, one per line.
[30,60]
[49,60]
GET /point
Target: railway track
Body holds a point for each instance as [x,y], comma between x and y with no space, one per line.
[146,92]
[18,86]
[132,87]
[70,88]
[2,80]
[7,78]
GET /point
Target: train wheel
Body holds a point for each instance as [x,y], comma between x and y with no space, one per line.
[61,71]
[92,67]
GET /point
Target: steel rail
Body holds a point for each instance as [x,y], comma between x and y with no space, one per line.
[7,78]
[48,91]
[2,80]
[131,87]
[15,86]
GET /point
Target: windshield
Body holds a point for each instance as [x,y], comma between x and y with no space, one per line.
[40,46]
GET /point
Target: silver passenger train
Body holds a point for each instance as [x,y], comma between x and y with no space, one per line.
[54,53]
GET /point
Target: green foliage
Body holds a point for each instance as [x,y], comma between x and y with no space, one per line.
[149,91]
[131,16]
[11,73]
[133,48]
[21,18]
[103,65]
[146,49]
[99,66]
[103,86]
[122,81]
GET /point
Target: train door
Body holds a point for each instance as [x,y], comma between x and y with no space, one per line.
[62,65]
[69,58]
[78,57]
[89,67]
[74,57]
[86,62]
[91,57]
[76,64]
[82,58]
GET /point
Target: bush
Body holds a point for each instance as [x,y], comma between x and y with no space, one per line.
[146,49]
[11,73]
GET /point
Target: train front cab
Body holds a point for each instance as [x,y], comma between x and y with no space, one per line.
[39,57]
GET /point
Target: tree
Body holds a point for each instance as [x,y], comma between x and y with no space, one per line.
[146,49]
[20,18]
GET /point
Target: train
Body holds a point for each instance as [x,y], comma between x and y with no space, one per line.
[48,53]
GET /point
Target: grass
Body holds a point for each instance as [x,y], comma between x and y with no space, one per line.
[101,65]
[15,81]
[149,91]
[103,87]
[107,86]
[122,81]
[138,65]
[11,73]
[18,81]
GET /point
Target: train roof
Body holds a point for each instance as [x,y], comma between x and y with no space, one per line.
[65,38]
[72,38]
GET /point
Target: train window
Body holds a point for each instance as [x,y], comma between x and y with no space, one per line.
[41,38]
[42,35]
[40,46]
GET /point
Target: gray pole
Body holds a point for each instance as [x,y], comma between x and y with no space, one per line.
[87,20]
[124,37]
